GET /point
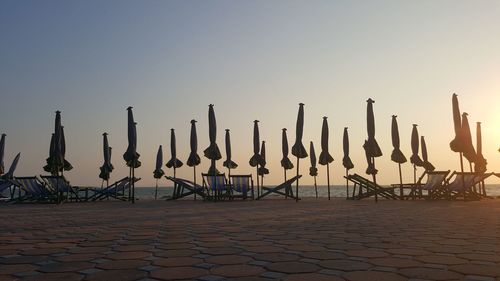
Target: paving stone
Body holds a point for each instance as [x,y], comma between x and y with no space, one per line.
[55,277]
[15,268]
[237,270]
[477,269]
[122,275]
[228,259]
[441,259]
[373,276]
[430,273]
[122,264]
[312,276]
[345,265]
[394,262]
[276,257]
[178,261]
[293,267]
[174,273]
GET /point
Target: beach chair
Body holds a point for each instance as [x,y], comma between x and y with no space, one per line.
[184,188]
[217,186]
[463,184]
[31,189]
[241,185]
[367,188]
[435,184]
[61,184]
[284,189]
[10,186]
[118,190]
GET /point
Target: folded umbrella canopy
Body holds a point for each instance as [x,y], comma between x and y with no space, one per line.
[193,159]
[397,155]
[480,164]
[55,162]
[324,157]
[158,172]
[426,164]
[131,156]
[262,169]
[106,167]
[457,143]
[67,166]
[371,146]
[298,149]
[173,162]
[2,152]
[313,171]
[13,166]
[346,160]
[469,151]
[414,158]
[229,163]
[256,159]
[285,161]
[212,152]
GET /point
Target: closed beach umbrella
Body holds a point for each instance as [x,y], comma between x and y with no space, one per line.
[313,171]
[457,143]
[397,155]
[67,166]
[298,149]
[262,169]
[2,152]
[13,166]
[256,159]
[131,156]
[229,163]
[426,164]
[469,151]
[480,164]
[285,161]
[158,172]
[173,162]
[193,159]
[324,157]
[415,159]
[49,168]
[58,160]
[370,170]
[371,146]
[346,160]
[212,152]
[106,167]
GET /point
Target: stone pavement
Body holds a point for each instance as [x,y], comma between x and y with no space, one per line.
[263,240]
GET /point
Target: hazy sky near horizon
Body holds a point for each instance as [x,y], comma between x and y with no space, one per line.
[253,60]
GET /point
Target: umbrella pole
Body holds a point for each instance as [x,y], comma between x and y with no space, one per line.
[400,182]
[346,184]
[315,187]
[156,190]
[257,173]
[286,191]
[327,179]
[130,184]
[133,185]
[297,183]
[194,177]
[375,179]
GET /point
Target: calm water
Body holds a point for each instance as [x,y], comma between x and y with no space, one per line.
[304,191]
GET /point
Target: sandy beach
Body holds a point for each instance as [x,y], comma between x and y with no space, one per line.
[262,240]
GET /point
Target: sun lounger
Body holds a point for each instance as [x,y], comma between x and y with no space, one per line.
[284,189]
[31,189]
[463,184]
[435,184]
[61,184]
[117,190]
[184,188]
[241,185]
[217,186]
[10,186]
[367,188]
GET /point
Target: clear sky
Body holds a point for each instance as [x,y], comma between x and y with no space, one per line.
[253,60]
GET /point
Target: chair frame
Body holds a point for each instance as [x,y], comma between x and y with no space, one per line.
[184,188]
[240,194]
[287,186]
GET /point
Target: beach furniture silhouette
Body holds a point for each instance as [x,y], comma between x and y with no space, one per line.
[193,159]
[32,189]
[434,186]
[118,190]
[241,185]
[217,186]
[324,157]
[61,185]
[463,184]
[367,188]
[284,189]
[184,188]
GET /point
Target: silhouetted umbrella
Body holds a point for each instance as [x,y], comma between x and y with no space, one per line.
[173,162]
[285,161]
[55,162]
[469,151]
[298,149]
[480,163]
[397,155]
[2,152]
[49,168]
[212,152]
[256,159]
[67,166]
[346,160]
[456,144]
[371,146]
[370,170]
[414,158]
[13,166]
[262,169]
[131,156]
[313,171]
[324,157]
[193,159]
[229,163]
[426,164]
[106,167]
[158,172]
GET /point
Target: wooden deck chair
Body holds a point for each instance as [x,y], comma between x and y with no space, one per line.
[217,186]
[367,188]
[241,185]
[284,189]
[435,184]
[184,188]
[61,184]
[117,190]
[34,190]
[463,184]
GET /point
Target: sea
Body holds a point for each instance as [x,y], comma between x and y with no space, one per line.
[338,191]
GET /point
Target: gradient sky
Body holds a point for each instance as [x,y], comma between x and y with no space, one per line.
[253,60]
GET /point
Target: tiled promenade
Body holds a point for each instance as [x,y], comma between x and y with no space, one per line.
[263,240]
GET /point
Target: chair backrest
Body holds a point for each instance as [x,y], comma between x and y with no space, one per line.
[57,183]
[5,184]
[31,185]
[462,181]
[435,179]
[215,182]
[241,183]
